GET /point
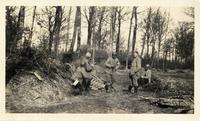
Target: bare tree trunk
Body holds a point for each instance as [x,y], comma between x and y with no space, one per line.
[90,24]
[10,33]
[153,48]
[100,27]
[79,28]
[51,33]
[118,34]
[159,45]
[68,27]
[74,33]
[164,60]
[148,30]
[134,30]
[162,32]
[129,36]
[31,31]
[20,26]
[93,47]
[112,26]
[143,45]
[89,35]
[57,26]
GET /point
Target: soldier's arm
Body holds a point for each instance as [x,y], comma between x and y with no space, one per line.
[107,63]
[138,65]
[118,64]
[132,69]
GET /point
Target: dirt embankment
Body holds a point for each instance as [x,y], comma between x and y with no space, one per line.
[36,80]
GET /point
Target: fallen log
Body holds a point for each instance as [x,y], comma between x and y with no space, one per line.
[169,102]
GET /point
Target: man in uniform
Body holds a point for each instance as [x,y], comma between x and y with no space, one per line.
[135,72]
[83,74]
[112,64]
[147,73]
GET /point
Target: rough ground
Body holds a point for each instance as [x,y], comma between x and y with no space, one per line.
[115,102]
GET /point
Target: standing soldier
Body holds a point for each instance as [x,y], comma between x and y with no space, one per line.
[135,72]
[112,64]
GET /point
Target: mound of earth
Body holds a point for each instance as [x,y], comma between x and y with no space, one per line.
[37,80]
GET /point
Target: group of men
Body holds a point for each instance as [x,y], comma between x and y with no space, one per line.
[112,64]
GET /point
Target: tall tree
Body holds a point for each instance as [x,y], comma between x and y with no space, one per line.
[101,17]
[129,35]
[184,36]
[57,27]
[33,20]
[52,21]
[11,27]
[76,27]
[113,18]
[155,28]
[21,18]
[90,20]
[79,28]
[162,22]
[134,29]
[68,27]
[20,28]
[27,42]
[46,20]
[147,32]
[121,14]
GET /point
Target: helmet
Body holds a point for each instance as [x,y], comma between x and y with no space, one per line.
[88,55]
[114,54]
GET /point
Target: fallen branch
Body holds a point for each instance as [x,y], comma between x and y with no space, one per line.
[168,102]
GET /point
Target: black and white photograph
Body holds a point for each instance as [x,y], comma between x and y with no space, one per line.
[99,59]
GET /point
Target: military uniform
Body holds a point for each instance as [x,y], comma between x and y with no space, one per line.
[112,64]
[83,74]
[135,72]
[147,75]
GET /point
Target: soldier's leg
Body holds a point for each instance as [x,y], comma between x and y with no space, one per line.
[87,84]
[112,81]
[86,80]
[78,76]
[108,82]
[135,83]
[84,84]
[131,82]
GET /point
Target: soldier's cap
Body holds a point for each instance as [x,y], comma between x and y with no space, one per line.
[88,54]
[114,54]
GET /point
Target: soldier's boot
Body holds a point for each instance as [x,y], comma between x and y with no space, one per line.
[136,89]
[129,88]
[87,86]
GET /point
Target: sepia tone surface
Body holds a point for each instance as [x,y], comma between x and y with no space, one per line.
[46,46]
[174,6]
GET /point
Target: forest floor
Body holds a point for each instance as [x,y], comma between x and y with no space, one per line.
[119,101]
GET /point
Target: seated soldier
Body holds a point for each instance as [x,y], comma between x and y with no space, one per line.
[83,74]
[147,73]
